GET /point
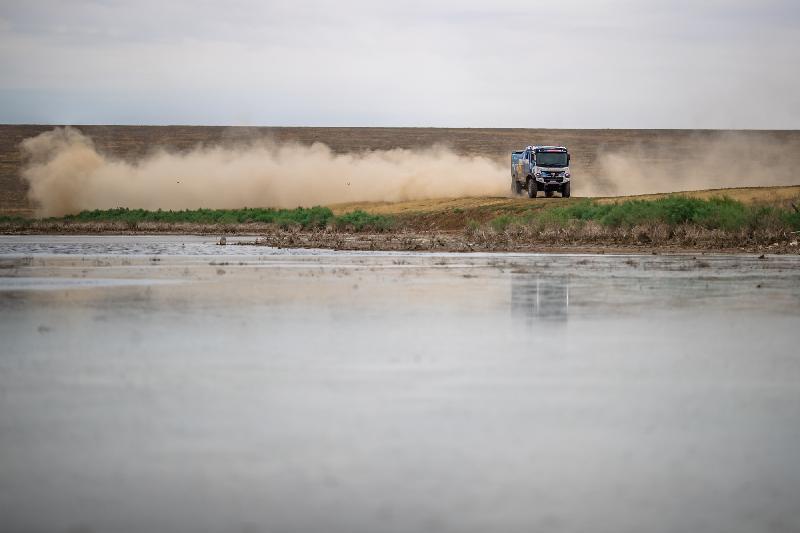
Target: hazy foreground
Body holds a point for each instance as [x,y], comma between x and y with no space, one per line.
[152,384]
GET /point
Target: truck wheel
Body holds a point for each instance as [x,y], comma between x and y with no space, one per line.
[532,188]
[516,188]
[565,190]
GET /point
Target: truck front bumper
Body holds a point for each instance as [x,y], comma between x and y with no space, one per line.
[551,183]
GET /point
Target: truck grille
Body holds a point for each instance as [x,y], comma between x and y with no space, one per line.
[551,177]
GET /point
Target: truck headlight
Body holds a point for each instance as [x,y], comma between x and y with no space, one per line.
[537,173]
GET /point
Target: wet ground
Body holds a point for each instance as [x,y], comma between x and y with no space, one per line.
[168,384]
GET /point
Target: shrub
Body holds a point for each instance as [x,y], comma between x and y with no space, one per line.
[715,213]
[501,223]
[312,217]
[791,219]
[361,220]
[11,219]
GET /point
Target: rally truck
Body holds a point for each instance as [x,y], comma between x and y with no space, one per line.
[540,168]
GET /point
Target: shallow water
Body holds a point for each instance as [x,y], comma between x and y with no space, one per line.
[169,384]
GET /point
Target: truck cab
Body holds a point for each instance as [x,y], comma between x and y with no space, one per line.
[541,168]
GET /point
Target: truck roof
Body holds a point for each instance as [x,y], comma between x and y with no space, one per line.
[547,148]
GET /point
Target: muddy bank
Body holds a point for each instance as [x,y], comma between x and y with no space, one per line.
[595,240]
[58,227]
[641,240]
[588,237]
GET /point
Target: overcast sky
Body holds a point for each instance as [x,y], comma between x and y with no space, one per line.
[560,63]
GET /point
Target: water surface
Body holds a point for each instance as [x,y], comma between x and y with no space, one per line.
[169,384]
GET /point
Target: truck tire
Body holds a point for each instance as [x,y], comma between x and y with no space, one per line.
[532,188]
[516,188]
[565,190]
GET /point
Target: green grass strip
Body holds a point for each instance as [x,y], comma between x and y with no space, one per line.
[714,213]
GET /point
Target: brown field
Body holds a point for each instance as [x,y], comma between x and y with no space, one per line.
[653,148]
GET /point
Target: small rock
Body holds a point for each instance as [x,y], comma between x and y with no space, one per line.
[222,241]
[793,243]
[762,256]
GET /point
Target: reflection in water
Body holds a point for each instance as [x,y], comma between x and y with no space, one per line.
[539,297]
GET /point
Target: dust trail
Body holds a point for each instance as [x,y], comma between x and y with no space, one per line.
[699,161]
[67,174]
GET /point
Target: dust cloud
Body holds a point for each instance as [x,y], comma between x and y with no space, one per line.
[701,161]
[66,174]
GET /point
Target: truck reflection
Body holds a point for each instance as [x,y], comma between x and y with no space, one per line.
[539,298]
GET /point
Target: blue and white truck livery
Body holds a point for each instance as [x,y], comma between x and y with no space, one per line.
[540,168]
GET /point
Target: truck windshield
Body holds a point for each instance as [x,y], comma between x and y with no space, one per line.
[551,159]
